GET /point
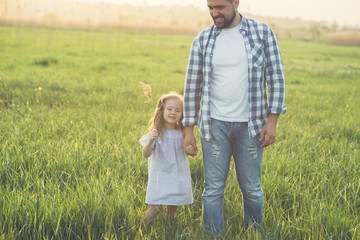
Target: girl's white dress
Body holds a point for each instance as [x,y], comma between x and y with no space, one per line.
[169,181]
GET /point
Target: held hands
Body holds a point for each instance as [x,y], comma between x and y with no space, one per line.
[190,150]
[189,143]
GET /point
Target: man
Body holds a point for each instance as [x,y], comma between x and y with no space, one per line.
[232,66]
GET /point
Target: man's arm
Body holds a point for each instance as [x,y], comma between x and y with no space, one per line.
[193,85]
[275,79]
[274,75]
[192,95]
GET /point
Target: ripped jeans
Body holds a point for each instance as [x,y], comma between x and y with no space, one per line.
[231,139]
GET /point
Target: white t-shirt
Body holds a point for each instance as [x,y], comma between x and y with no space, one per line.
[229,83]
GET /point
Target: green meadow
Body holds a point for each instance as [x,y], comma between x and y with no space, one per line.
[72,111]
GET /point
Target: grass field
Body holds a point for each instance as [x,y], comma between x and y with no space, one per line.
[72,111]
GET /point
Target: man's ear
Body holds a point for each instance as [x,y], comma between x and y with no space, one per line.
[236,3]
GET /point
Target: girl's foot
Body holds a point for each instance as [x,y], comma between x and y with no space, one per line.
[150,214]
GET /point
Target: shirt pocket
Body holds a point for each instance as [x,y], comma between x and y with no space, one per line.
[257,53]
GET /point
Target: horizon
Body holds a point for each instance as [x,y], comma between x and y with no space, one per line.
[165,18]
[345,14]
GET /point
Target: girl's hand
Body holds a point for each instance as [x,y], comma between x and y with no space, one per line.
[147,150]
[153,135]
[189,150]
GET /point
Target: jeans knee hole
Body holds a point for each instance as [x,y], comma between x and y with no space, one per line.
[254,193]
[253,151]
[216,151]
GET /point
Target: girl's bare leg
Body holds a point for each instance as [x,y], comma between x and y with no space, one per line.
[151,213]
[171,211]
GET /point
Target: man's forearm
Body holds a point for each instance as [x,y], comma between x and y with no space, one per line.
[189,130]
[273,118]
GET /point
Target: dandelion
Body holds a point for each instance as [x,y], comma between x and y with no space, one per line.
[147,91]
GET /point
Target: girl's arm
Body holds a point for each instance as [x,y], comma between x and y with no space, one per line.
[147,150]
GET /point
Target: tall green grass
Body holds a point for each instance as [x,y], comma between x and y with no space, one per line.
[72,111]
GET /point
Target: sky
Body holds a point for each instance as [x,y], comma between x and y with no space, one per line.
[344,12]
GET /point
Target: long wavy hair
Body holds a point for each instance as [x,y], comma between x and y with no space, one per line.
[157,121]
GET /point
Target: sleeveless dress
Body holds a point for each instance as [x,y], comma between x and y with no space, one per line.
[169,179]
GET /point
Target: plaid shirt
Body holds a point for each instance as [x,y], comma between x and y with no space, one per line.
[265,68]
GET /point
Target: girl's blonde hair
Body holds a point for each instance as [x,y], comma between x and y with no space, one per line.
[157,121]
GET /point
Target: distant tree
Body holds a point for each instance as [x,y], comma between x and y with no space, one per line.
[50,17]
[334,26]
[315,30]
[289,33]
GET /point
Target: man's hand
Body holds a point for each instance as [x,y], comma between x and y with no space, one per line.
[190,140]
[269,130]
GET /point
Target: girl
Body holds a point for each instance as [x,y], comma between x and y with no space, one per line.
[169,181]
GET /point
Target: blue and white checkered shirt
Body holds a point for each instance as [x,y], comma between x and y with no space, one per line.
[265,72]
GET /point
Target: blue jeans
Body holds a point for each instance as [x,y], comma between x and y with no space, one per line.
[231,139]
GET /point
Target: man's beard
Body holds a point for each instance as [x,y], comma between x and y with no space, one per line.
[227,22]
